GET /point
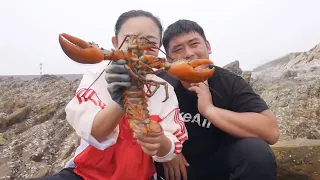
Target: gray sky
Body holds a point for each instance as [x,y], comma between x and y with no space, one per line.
[251,31]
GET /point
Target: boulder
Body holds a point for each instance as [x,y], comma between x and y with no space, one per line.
[298,159]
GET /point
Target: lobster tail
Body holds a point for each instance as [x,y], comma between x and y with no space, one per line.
[136,106]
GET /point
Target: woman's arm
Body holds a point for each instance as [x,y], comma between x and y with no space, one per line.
[106,121]
[92,112]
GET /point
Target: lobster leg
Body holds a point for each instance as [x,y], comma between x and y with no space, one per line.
[140,77]
[153,62]
[129,70]
[157,86]
[150,70]
[151,93]
[150,82]
[136,76]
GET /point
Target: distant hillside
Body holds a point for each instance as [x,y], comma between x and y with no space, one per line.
[279,61]
[293,65]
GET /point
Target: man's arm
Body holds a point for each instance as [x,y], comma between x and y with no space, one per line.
[245,124]
[250,117]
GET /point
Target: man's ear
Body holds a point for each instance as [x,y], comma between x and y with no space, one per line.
[208,46]
[114,42]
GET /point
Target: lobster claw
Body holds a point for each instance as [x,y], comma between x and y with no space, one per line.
[194,71]
[79,50]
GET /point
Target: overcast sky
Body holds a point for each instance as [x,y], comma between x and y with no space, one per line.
[251,31]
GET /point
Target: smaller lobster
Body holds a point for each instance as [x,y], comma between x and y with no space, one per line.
[138,66]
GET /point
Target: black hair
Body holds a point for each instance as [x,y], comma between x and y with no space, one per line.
[180,27]
[136,13]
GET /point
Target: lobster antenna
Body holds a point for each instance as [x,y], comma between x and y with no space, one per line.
[157,48]
[107,65]
[212,90]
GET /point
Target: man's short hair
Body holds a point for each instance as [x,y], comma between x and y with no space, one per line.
[182,26]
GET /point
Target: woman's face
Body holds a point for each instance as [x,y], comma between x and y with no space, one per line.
[144,26]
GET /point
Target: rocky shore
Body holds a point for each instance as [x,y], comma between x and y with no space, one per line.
[36,140]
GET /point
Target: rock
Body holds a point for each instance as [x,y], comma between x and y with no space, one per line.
[3,121]
[41,172]
[295,103]
[36,139]
[314,134]
[18,115]
[234,67]
[298,159]
[293,92]
[246,75]
[2,140]
[4,171]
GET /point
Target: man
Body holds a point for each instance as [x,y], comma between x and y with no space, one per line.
[230,127]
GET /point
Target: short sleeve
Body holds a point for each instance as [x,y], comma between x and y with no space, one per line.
[244,99]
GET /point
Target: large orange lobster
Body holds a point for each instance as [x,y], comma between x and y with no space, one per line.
[138,66]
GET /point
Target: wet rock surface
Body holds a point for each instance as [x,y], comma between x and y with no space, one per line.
[35,138]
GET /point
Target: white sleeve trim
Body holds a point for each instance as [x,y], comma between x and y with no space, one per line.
[110,140]
[170,155]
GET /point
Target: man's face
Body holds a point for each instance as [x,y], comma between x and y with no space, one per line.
[189,46]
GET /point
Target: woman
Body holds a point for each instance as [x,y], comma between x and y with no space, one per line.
[108,149]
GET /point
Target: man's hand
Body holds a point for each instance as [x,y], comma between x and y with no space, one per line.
[204,95]
[154,144]
[118,79]
[175,168]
